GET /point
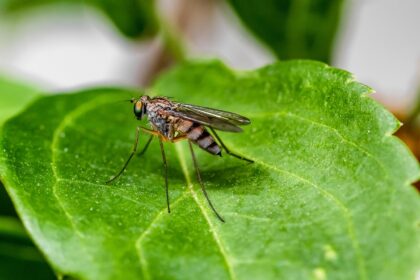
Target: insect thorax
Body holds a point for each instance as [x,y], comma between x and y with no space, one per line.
[159,118]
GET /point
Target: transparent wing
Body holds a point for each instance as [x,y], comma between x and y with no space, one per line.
[215,123]
[214,113]
[216,119]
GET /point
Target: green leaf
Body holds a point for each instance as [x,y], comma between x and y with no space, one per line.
[134,18]
[293,28]
[328,196]
[14,96]
[19,258]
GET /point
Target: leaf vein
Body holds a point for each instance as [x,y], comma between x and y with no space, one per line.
[76,112]
[345,211]
[213,229]
[333,129]
[249,217]
[139,241]
[98,185]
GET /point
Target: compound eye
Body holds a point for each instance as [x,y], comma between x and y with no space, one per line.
[138,109]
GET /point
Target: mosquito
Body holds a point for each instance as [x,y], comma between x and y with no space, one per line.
[173,121]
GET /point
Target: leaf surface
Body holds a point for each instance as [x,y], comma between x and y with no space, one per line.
[328,196]
[293,28]
[19,258]
[14,96]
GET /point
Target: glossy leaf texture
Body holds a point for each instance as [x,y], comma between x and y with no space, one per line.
[293,28]
[14,96]
[19,258]
[134,18]
[328,196]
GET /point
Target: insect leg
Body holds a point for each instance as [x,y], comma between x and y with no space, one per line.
[165,166]
[129,158]
[201,183]
[146,146]
[150,131]
[227,150]
[163,137]
[179,138]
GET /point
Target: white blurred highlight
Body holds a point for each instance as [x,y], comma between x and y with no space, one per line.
[379,43]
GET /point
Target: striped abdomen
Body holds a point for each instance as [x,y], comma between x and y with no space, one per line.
[198,134]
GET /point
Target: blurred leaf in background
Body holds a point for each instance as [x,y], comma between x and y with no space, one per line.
[14,96]
[134,18]
[19,258]
[6,205]
[293,28]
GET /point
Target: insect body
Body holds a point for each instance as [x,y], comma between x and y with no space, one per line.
[173,121]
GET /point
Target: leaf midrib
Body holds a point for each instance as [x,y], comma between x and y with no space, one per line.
[204,211]
[325,193]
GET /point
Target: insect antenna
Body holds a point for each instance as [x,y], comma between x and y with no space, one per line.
[201,183]
[123,100]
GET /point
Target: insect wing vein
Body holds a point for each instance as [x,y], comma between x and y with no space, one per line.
[207,120]
[219,114]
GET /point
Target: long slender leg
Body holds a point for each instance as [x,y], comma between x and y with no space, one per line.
[179,138]
[201,183]
[150,131]
[163,137]
[227,150]
[165,166]
[129,158]
[145,146]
